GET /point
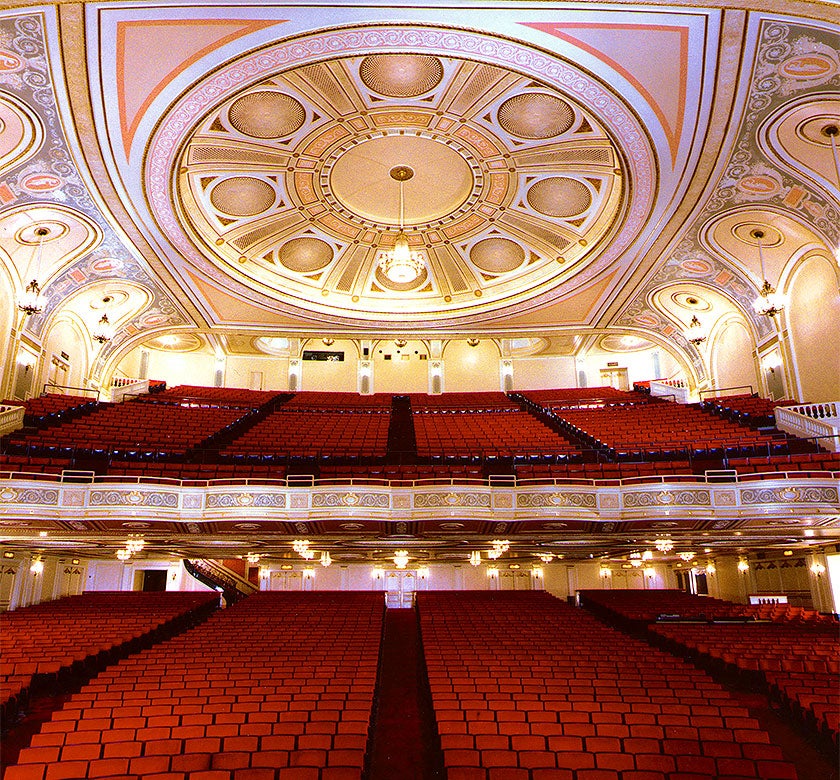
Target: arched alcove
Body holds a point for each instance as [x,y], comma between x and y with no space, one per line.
[732,360]
[812,317]
[66,355]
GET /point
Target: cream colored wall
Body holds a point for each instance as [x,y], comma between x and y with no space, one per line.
[639,365]
[66,336]
[275,371]
[178,368]
[398,375]
[548,372]
[339,377]
[732,362]
[467,368]
[814,322]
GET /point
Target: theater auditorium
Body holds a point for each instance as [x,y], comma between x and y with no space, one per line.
[397,392]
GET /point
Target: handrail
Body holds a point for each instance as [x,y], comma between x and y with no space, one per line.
[216,576]
[718,391]
[69,387]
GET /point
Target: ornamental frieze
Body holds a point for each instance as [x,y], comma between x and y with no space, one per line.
[235,500]
[133,498]
[437,500]
[571,500]
[669,498]
[10,495]
[368,500]
[789,495]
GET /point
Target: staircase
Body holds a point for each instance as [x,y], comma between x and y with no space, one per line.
[218,577]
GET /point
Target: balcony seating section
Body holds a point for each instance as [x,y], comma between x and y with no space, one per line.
[277,681]
[221,396]
[50,407]
[31,466]
[467,402]
[525,686]
[491,433]
[197,473]
[812,464]
[53,637]
[326,400]
[135,427]
[307,433]
[661,429]
[575,395]
[671,470]
[402,474]
[747,408]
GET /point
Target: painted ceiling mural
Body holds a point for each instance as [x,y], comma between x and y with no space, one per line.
[46,188]
[239,165]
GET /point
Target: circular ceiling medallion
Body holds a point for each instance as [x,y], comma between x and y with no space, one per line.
[360,179]
[266,114]
[242,196]
[691,301]
[180,342]
[272,345]
[109,299]
[401,75]
[313,212]
[305,255]
[497,255]
[34,234]
[559,196]
[747,233]
[536,116]
[819,130]
[625,343]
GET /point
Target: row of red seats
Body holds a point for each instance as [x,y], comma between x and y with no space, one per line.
[600,471]
[53,636]
[279,681]
[314,400]
[462,401]
[50,405]
[232,396]
[747,407]
[287,432]
[524,686]
[799,661]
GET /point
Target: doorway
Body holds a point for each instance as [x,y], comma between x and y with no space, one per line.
[154,580]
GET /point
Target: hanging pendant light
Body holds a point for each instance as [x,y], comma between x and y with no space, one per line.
[103,331]
[695,332]
[768,303]
[401,265]
[32,301]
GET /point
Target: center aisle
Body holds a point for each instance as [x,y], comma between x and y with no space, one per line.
[403,730]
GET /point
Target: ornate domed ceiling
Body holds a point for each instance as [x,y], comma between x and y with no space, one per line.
[573,168]
[516,188]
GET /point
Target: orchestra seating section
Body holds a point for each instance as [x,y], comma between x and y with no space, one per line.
[279,681]
[197,434]
[59,637]
[525,686]
[793,653]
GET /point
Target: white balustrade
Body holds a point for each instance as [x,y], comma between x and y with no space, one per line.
[673,387]
[124,386]
[11,418]
[812,420]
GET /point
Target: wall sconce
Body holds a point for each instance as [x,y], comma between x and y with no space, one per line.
[8,554]
[37,566]
[771,362]
[537,573]
[817,568]
[473,342]
[265,572]
[743,566]
[376,573]
[606,573]
[493,573]
[650,572]
[309,574]
[423,573]
[710,568]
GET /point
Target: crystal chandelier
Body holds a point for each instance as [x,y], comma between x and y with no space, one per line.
[686,556]
[32,301]
[475,558]
[401,264]
[695,332]
[768,303]
[326,559]
[664,545]
[103,331]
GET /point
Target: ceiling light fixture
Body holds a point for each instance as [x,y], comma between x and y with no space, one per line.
[695,332]
[475,558]
[327,341]
[401,559]
[32,301]
[833,131]
[401,264]
[326,559]
[473,342]
[664,545]
[103,331]
[768,303]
